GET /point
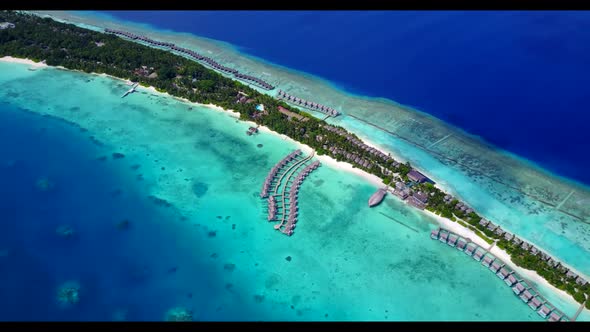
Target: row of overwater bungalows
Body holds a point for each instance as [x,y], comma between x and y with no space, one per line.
[268,182]
[293,197]
[533,250]
[308,104]
[195,55]
[519,286]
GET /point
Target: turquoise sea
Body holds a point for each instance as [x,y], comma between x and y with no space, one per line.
[188,183]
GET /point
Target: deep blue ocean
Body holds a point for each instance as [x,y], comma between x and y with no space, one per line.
[116,267]
[518,79]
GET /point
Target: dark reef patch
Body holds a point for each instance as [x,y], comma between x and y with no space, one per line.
[200,189]
[159,201]
[124,225]
[230,267]
[212,234]
[117,155]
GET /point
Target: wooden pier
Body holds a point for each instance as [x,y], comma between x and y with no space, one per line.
[284,181]
[130,91]
[520,287]
[580,309]
[282,95]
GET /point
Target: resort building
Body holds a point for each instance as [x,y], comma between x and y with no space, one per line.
[415,202]
[418,177]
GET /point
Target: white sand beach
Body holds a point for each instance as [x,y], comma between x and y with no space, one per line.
[23,61]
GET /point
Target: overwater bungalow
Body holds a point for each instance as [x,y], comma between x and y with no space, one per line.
[496,265]
[461,244]
[511,280]
[452,240]
[536,302]
[487,260]
[527,295]
[519,287]
[555,316]
[470,248]
[503,273]
[434,234]
[545,310]
[478,254]
[444,235]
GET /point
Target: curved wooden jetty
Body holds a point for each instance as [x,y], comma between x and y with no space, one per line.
[293,208]
[282,186]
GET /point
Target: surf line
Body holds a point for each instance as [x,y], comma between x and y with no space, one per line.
[399,222]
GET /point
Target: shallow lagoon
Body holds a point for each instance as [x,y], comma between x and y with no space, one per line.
[546,210]
[188,183]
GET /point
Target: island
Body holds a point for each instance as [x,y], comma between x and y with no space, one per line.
[180,74]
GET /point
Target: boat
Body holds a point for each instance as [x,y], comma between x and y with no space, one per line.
[377,197]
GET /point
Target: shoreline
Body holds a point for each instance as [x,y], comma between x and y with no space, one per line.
[501,254]
[30,62]
[343,166]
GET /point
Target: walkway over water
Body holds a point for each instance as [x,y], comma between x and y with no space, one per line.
[307,104]
[521,288]
[284,178]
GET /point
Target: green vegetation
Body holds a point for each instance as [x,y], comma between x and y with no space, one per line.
[89,51]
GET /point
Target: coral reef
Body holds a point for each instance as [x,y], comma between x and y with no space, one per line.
[179,314]
[120,315]
[124,225]
[44,184]
[68,293]
[65,231]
